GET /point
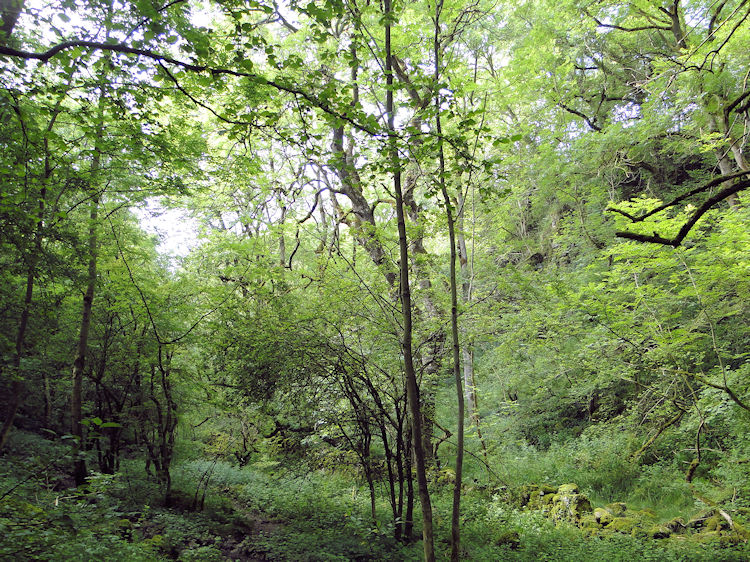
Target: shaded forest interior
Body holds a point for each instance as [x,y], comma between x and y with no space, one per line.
[353,280]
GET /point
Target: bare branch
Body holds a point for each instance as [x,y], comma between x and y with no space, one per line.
[589,122]
[713,183]
[699,212]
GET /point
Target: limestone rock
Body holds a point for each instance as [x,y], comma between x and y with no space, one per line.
[567,489]
[659,532]
[623,525]
[569,505]
[617,508]
[602,516]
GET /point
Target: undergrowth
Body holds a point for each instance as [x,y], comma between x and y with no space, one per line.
[267,511]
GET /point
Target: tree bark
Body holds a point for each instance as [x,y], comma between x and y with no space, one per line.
[9,12]
[412,390]
[76,427]
[455,514]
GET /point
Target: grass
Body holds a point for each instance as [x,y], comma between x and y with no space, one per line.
[269,511]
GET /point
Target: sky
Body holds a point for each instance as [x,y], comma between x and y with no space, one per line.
[177,232]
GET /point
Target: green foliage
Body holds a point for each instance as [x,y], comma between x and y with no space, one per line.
[262,376]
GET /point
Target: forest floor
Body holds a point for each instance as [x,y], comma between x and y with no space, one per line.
[271,511]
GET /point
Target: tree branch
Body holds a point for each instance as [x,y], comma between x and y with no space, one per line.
[589,122]
[713,183]
[45,56]
[699,212]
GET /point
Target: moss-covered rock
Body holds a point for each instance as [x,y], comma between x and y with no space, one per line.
[568,489]
[715,523]
[698,521]
[603,516]
[741,531]
[659,532]
[617,508]
[568,505]
[645,513]
[589,522]
[623,525]
[524,494]
[541,498]
[706,536]
[589,532]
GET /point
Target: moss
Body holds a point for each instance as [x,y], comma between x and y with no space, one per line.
[569,507]
[675,525]
[622,525]
[617,508]
[741,531]
[590,531]
[730,538]
[603,516]
[706,536]
[567,489]
[541,498]
[698,521]
[645,513]
[715,523]
[659,532]
[589,522]
[524,494]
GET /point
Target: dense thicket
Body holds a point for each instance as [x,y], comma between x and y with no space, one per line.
[568,179]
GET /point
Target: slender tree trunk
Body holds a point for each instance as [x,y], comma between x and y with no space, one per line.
[455,519]
[467,350]
[412,390]
[409,517]
[76,428]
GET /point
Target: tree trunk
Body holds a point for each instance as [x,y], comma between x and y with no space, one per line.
[455,521]
[9,12]
[467,350]
[412,390]
[76,428]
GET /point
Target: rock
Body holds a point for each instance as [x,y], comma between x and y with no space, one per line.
[524,494]
[741,531]
[623,525]
[646,512]
[589,532]
[617,508]
[569,505]
[589,522]
[715,523]
[567,489]
[602,516]
[659,532]
[707,536]
[542,497]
